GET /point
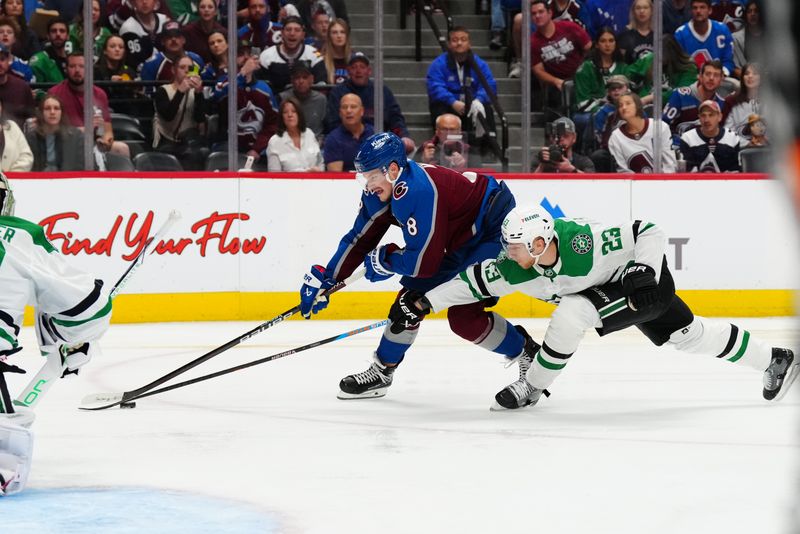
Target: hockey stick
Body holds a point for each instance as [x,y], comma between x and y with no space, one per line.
[100,401]
[53,368]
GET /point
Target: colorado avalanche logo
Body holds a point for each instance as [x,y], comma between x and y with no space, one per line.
[582,243]
[400,189]
[641,163]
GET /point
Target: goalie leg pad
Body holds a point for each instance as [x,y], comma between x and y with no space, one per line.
[16,453]
[722,340]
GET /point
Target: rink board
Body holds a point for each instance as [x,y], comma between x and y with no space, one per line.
[244,241]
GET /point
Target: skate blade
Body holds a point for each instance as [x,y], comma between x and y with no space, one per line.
[788,380]
[371,394]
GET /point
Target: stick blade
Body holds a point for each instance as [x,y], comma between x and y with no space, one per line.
[101,401]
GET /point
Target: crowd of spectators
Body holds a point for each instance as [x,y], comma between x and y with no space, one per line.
[305,93]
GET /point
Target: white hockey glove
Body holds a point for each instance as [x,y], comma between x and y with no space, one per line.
[475,109]
[16,450]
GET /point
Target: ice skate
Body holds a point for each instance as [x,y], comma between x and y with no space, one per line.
[368,384]
[780,374]
[520,393]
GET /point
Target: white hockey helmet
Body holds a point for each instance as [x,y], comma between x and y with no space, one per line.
[524,224]
[6,197]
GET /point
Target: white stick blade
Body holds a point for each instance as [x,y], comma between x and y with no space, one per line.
[99,400]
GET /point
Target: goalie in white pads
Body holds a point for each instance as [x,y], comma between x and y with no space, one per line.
[73,310]
[602,277]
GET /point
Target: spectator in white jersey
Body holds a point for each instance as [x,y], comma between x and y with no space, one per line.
[276,61]
[631,144]
[710,147]
[72,308]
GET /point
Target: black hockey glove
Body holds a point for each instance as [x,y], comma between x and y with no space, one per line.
[408,311]
[640,286]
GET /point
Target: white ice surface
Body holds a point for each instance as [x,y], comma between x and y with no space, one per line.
[635,439]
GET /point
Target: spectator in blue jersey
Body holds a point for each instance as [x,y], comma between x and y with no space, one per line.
[613,14]
[705,39]
[448,221]
[637,39]
[9,29]
[341,144]
[259,29]
[359,82]
[173,43]
[682,107]
[257,116]
[710,147]
[454,87]
[674,14]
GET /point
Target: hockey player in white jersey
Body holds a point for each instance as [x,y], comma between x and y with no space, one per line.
[602,277]
[72,312]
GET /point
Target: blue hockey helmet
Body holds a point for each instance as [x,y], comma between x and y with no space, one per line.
[6,197]
[378,151]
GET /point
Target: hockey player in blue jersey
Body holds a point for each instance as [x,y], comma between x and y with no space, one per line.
[449,220]
[705,39]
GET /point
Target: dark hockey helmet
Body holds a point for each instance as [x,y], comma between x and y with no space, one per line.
[6,197]
[378,151]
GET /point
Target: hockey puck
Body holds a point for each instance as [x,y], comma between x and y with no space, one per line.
[127,405]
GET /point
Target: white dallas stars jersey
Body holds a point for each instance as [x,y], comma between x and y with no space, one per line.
[31,269]
[635,153]
[590,254]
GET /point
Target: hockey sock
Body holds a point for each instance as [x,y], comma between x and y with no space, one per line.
[486,329]
[723,340]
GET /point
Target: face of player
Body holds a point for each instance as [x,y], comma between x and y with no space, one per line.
[520,254]
[292,35]
[540,15]
[378,183]
[751,78]
[217,44]
[57,35]
[709,121]
[13,8]
[144,7]
[359,73]
[7,36]
[207,10]
[626,107]
[351,111]
[710,79]
[700,12]
[115,48]
[75,70]
[606,44]
[643,11]
[459,43]
[51,112]
[256,9]
[290,118]
[338,35]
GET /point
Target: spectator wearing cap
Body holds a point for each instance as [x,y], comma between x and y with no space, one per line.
[50,64]
[9,30]
[312,102]
[172,48]
[563,136]
[710,147]
[14,91]
[257,116]
[294,148]
[454,87]
[605,121]
[141,32]
[259,28]
[198,31]
[359,83]
[276,61]
[343,142]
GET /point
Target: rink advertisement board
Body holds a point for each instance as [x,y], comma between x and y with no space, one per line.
[244,241]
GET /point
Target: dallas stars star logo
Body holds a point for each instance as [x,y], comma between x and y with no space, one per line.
[582,243]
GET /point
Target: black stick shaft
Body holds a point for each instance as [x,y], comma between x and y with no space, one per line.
[263,360]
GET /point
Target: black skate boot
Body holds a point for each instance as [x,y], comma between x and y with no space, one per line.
[520,393]
[369,384]
[780,374]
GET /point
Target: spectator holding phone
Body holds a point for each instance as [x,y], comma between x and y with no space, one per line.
[447,147]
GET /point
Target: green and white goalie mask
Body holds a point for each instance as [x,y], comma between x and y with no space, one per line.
[6,197]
